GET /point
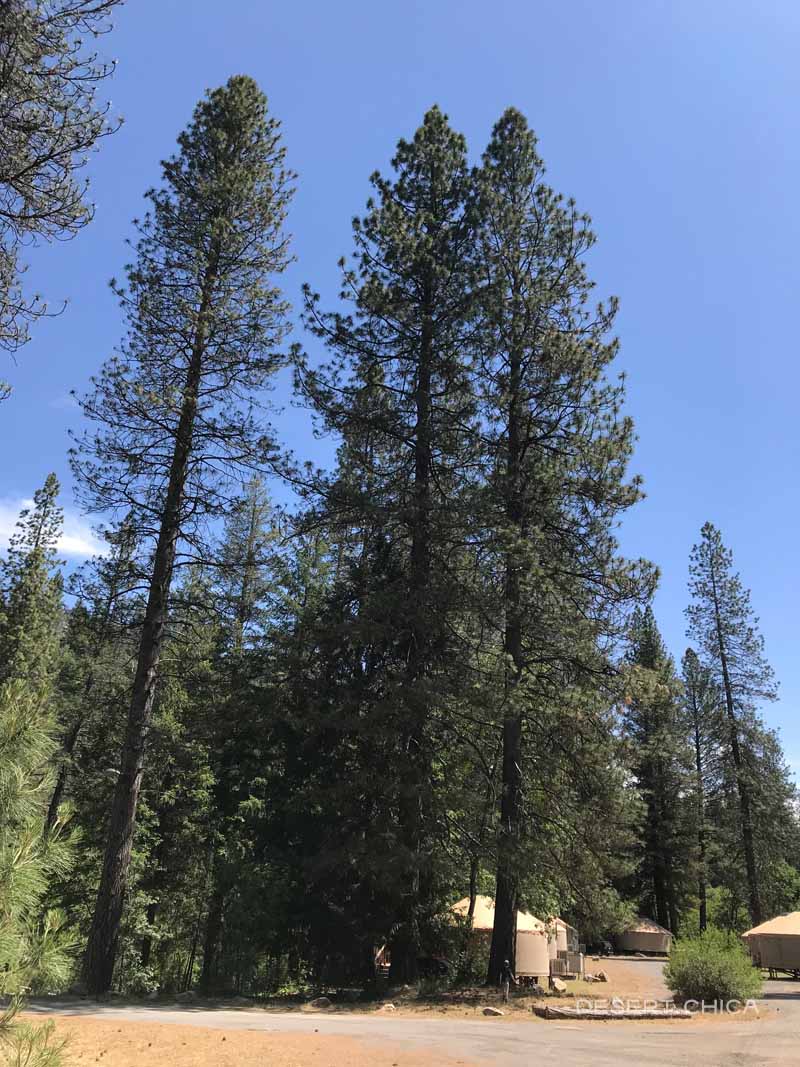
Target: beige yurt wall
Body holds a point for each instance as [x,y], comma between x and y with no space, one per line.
[781,951]
[776,942]
[562,937]
[552,942]
[532,955]
[644,941]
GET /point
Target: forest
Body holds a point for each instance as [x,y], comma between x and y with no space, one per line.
[289,715]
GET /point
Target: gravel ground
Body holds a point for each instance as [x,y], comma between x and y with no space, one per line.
[184,1035]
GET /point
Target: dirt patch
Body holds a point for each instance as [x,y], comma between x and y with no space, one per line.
[134,1044]
[625,979]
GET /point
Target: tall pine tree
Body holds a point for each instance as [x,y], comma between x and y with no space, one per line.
[397,393]
[175,407]
[660,762]
[702,707]
[552,450]
[31,614]
[32,854]
[722,623]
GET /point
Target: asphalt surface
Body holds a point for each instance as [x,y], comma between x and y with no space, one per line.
[772,1038]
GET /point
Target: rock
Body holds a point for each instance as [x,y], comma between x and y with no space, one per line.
[387,1008]
[321,1003]
[493,1011]
[601,976]
[558,985]
[188,995]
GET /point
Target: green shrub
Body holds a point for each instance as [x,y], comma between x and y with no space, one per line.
[712,966]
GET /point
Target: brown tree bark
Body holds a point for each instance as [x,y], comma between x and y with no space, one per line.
[504,931]
[406,943]
[101,949]
[70,742]
[211,941]
[702,892]
[743,789]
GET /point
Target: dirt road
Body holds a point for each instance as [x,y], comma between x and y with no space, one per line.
[772,1038]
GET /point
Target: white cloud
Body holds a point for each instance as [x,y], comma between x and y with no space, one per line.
[77,540]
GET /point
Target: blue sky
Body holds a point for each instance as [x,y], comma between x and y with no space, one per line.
[674,124]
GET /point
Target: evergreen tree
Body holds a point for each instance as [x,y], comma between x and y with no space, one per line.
[97,632]
[163,917]
[773,800]
[553,450]
[702,706]
[660,763]
[722,623]
[397,393]
[33,946]
[237,732]
[175,407]
[50,120]
[31,613]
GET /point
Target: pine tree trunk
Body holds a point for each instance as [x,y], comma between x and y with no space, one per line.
[660,890]
[211,941]
[504,930]
[672,905]
[70,742]
[104,932]
[406,945]
[189,971]
[503,945]
[147,940]
[742,786]
[701,822]
[473,887]
[368,970]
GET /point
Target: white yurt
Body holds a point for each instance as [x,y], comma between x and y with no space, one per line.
[483,915]
[532,956]
[645,935]
[776,943]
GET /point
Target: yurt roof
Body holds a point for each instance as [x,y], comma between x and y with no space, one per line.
[483,916]
[781,924]
[642,925]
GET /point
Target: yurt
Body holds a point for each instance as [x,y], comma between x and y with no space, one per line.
[483,916]
[776,943]
[552,940]
[566,936]
[532,957]
[645,935]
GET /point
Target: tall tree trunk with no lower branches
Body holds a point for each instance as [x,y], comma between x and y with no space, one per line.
[203,325]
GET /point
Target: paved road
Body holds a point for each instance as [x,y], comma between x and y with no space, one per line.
[773,1039]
